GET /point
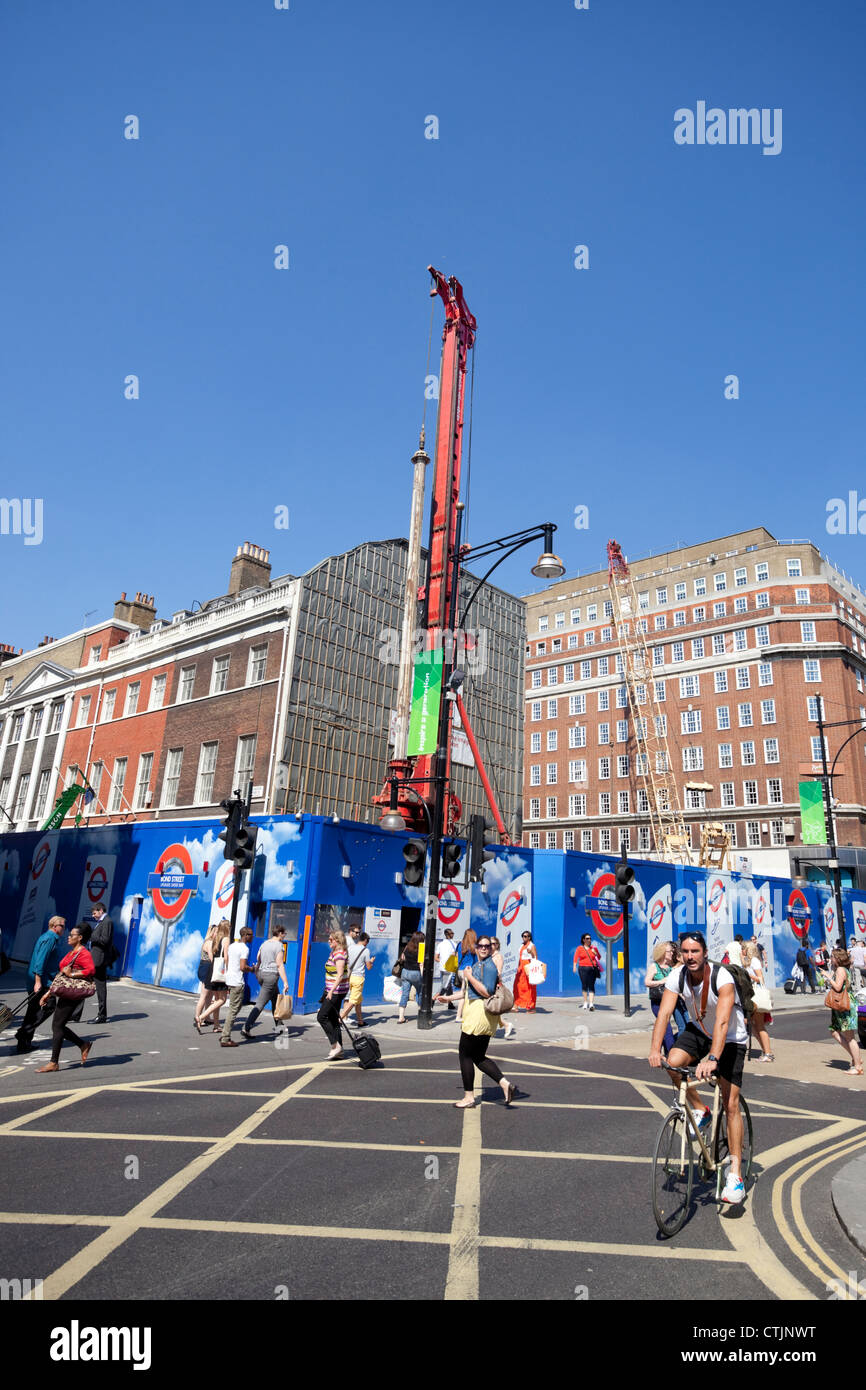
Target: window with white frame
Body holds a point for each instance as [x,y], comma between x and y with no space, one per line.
[622,765]
[697,648]
[622,803]
[771,750]
[695,800]
[577,804]
[21,796]
[4,791]
[604,803]
[577,704]
[534,808]
[726,755]
[660,622]
[604,840]
[621,697]
[642,800]
[680,618]
[535,679]
[541,649]
[641,764]
[677,651]
[575,616]
[534,840]
[812,708]
[568,672]
[699,614]
[118,777]
[604,769]
[690,721]
[741,604]
[740,639]
[679,591]
[568,839]
[720,583]
[552,773]
[552,737]
[721,682]
[765,673]
[723,717]
[762,600]
[693,758]
[607,634]
[619,665]
[95,654]
[559,620]
[622,731]
[245,760]
[592,613]
[607,609]
[604,733]
[807,632]
[777,832]
[603,666]
[577,736]
[728,798]
[730,828]
[700,588]
[747,753]
[640,729]
[795,569]
[661,595]
[556,644]
[42,793]
[585,670]
[577,770]
[586,841]
[750,793]
[720,609]
[811,672]
[744,681]
[768,711]
[801,595]
[551,808]
[535,774]
[83,710]
[535,711]
[186,684]
[624,838]
[741,578]
[661,724]
[604,699]
[762,637]
[774,791]
[753,834]
[690,687]
[17,727]
[744,713]
[762,572]
[57,717]
[142,786]
[660,688]
[552,675]
[258,663]
[535,743]
[815,742]
[589,638]
[643,838]
[572,640]
[157,692]
[220,675]
[553,708]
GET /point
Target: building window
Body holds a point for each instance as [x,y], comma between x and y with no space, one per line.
[603,732]
[56,717]
[157,692]
[559,620]
[551,773]
[575,616]
[572,640]
[553,709]
[726,755]
[535,774]
[679,592]
[745,716]
[83,711]
[536,680]
[132,693]
[768,711]
[771,750]
[258,664]
[811,672]
[604,803]
[95,780]
[812,708]
[720,583]
[661,622]
[577,704]
[568,674]
[535,743]
[659,656]
[585,670]
[723,717]
[720,609]
[577,736]
[678,651]
[762,600]
[695,800]
[535,808]
[604,769]
[697,648]
[552,735]
[551,839]
[622,765]
[534,839]
[765,673]
[762,636]
[690,721]
[740,578]
[21,797]
[795,569]
[604,699]
[731,832]
[693,758]
[577,770]
[42,793]
[220,675]
[541,649]
[108,700]
[568,839]
[690,687]
[643,838]
[698,615]
[245,761]
[551,808]
[543,623]
[604,841]
[753,834]
[740,640]
[728,794]
[747,754]
[4,792]
[721,682]
[680,618]
[171,777]
[603,666]
[622,803]
[777,833]
[36,721]
[741,604]
[661,723]
[700,588]
[205,779]
[815,742]
[552,675]
[750,793]
[607,634]
[807,632]
[762,572]
[743,678]
[774,791]
[556,644]
[95,654]
[117,781]
[801,595]
[641,765]
[535,713]
[589,638]
[145,767]
[622,731]
[660,690]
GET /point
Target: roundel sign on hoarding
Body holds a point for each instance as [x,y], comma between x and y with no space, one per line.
[760,910]
[450,904]
[225,886]
[183,884]
[40,859]
[657,916]
[829,917]
[510,908]
[799,916]
[97,884]
[716,896]
[606,914]
[860,921]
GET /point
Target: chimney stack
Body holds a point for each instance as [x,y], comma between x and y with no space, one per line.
[141,610]
[251,568]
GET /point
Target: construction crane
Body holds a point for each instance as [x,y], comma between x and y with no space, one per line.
[649,720]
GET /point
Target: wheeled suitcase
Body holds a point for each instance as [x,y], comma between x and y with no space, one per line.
[7,1014]
[790,986]
[367,1050]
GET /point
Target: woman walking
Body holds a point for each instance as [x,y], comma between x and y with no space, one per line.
[662,963]
[496,957]
[78,964]
[751,958]
[466,958]
[843,1023]
[411,977]
[525,993]
[478,1028]
[336,989]
[587,961]
[216,991]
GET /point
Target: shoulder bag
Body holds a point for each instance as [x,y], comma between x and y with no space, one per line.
[63,987]
[839,1000]
[501,1001]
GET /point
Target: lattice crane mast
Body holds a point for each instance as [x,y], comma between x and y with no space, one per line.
[670,836]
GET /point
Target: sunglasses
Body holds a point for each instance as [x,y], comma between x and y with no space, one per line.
[483,945]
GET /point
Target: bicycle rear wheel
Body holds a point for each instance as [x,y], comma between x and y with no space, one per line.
[672,1173]
[722,1150]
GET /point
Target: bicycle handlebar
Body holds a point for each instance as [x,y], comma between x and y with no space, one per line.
[689,1071]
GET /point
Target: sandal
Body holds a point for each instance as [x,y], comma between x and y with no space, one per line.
[465,1105]
[196,1023]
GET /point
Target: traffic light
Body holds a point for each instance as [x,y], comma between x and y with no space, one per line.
[415,862]
[451,859]
[481,834]
[624,881]
[231,824]
[245,845]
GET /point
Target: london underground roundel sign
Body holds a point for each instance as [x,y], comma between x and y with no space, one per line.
[511,907]
[97,884]
[171,890]
[657,916]
[606,913]
[225,886]
[799,916]
[450,904]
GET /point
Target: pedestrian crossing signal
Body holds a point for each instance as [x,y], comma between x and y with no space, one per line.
[414,862]
[624,882]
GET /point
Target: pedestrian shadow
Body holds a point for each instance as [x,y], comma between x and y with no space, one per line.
[128,1018]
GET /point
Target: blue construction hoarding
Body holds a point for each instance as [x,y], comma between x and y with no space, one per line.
[163,883]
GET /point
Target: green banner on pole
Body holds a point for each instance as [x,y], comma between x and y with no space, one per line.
[812,813]
[426,697]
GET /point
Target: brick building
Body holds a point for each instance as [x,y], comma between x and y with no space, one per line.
[745,632]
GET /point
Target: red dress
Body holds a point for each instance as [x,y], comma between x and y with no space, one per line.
[524,993]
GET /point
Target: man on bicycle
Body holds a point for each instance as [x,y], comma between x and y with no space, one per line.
[715,1037]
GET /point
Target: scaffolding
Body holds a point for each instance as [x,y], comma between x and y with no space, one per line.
[649,720]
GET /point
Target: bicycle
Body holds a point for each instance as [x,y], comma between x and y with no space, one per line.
[674,1158]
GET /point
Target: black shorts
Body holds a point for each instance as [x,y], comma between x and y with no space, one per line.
[697,1045]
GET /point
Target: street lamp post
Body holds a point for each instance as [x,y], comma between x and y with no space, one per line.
[827,785]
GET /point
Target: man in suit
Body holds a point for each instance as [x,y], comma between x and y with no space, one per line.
[40,973]
[104,954]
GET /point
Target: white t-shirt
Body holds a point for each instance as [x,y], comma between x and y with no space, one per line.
[238,952]
[737,1031]
[358,961]
[444,951]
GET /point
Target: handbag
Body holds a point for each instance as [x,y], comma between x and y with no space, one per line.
[397,969]
[64,988]
[762,999]
[839,1000]
[501,1001]
[536,972]
[392,990]
[284,1007]
[218,970]
[450,965]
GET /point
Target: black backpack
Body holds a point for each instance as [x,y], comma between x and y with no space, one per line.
[742,983]
[802,959]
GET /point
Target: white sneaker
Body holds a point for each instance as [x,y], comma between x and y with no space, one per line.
[335,1051]
[584,1006]
[734,1192]
[592,1008]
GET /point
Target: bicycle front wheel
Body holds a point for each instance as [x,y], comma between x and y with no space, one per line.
[722,1150]
[672,1173]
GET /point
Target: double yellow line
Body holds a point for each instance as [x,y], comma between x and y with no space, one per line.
[807,1250]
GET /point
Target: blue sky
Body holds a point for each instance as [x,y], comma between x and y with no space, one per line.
[304,388]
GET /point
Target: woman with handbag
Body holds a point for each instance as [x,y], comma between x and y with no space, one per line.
[587,962]
[751,958]
[842,1000]
[410,975]
[212,973]
[467,957]
[336,989]
[524,992]
[72,984]
[498,961]
[662,964]
[479,1026]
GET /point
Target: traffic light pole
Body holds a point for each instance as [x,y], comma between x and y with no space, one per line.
[626,989]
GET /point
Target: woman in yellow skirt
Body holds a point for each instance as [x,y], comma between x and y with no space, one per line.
[478,1027]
